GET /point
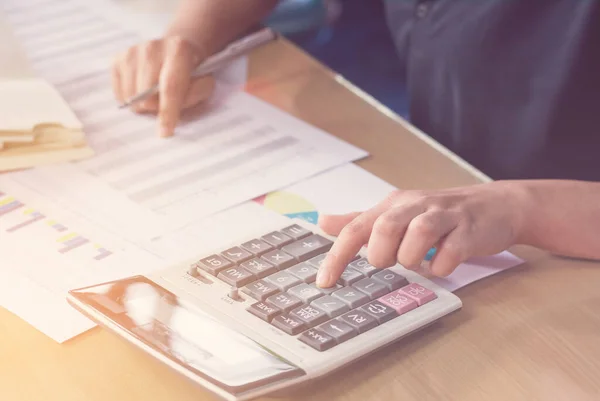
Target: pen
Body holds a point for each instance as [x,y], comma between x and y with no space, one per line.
[213,63]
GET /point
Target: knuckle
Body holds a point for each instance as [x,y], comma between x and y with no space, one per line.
[150,50]
[178,45]
[424,226]
[386,225]
[355,227]
[130,55]
[454,252]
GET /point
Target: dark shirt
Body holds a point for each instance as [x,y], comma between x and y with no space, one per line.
[512,86]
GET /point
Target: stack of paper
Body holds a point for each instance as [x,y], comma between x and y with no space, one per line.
[37,127]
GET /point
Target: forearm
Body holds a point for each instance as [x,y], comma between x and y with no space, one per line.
[562,217]
[212,24]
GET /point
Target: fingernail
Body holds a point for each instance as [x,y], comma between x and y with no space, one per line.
[323,278]
[164,131]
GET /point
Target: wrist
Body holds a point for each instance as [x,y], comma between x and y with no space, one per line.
[526,209]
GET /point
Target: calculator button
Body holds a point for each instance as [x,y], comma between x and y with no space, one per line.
[304,272]
[283,280]
[317,340]
[380,311]
[260,290]
[339,330]
[284,302]
[330,305]
[349,277]
[351,297]
[419,293]
[296,232]
[371,287]
[264,311]
[308,247]
[360,320]
[236,276]
[257,247]
[309,315]
[328,290]
[237,254]
[390,279]
[399,301]
[258,267]
[277,239]
[317,260]
[214,264]
[305,292]
[363,267]
[279,259]
[289,324]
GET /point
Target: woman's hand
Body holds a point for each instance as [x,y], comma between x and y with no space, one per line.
[168,62]
[460,223]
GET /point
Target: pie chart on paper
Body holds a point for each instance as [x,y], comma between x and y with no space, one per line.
[290,205]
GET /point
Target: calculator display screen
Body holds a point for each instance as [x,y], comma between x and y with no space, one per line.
[191,338]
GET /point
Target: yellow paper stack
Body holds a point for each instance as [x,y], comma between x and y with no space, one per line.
[37,127]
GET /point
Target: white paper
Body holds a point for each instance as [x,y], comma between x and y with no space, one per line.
[349,189]
[27,103]
[239,148]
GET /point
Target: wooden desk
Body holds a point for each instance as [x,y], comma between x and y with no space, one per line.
[528,334]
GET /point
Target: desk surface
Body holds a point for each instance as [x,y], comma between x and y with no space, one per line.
[528,334]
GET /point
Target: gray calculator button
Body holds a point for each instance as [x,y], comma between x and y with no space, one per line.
[236,276]
[214,264]
[379,311]
[283,280]
[277,239]
[349,277]
[317,260]
[317,339]
[296,232]
[351,297]
[285,302]
[264,311]
[260,268]
[305,292]
[236,254]
[289,324]
[309,247]
[310,315]
[363,266]
[372,288]
[360,320]
[328,290]
[257,247]
[260,290]
[304,272]
[330,305]
[390,279]
[279,259]
[339,330]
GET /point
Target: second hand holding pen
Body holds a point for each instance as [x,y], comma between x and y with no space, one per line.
[214,63]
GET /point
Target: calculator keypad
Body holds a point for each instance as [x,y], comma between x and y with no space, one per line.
[278,271]
[279,259]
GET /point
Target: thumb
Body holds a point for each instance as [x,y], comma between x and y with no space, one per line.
[333,224]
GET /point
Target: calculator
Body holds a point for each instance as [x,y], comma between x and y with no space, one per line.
[247,320]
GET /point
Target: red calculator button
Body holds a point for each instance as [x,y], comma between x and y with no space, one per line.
[400,302]
[419,293]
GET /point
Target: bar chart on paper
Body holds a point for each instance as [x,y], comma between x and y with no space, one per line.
[47,256]
[238,148]
[16,219]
